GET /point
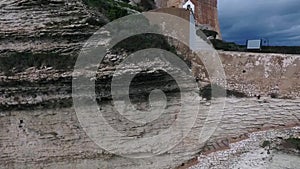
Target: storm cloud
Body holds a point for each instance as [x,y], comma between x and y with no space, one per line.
[276,20]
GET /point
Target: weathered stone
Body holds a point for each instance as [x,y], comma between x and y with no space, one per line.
[206,12]
[39,127]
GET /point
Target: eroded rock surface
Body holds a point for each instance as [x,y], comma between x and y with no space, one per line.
[262,74]
[39,127]
[46,138]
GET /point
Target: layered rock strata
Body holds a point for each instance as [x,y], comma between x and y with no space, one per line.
[40,41]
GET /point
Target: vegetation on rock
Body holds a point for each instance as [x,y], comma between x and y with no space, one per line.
[293,143]
[266,144]
[231,46]
[113,9]
[219,91]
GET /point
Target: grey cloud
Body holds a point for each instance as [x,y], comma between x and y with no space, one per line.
[277,20]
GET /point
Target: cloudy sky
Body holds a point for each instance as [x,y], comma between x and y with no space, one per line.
[276,20]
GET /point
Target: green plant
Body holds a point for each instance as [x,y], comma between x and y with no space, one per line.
[207,92]
[266,144]
[293,143]
[112,9]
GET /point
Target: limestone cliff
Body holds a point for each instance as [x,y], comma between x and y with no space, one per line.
[40,41]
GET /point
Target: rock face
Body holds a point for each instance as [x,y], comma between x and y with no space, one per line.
[40,41]
[260,150]
[53,138]
[46,26]
[206,12]
[275,75]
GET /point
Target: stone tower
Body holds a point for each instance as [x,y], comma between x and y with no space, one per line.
[206,12]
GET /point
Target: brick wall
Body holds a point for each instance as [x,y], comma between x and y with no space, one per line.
[206,11]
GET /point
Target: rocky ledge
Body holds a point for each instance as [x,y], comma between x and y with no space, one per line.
[264,149]
[39,44]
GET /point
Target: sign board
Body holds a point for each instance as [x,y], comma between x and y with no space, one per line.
[254,44]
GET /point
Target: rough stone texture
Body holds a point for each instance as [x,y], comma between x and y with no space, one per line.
[262,74]
[250,153]
[54,138]
[39,128]
[265,74]
[46,26]
[36,37]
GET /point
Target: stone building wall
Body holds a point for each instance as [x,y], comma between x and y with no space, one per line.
[262,73]
[265,74]
[206,12]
